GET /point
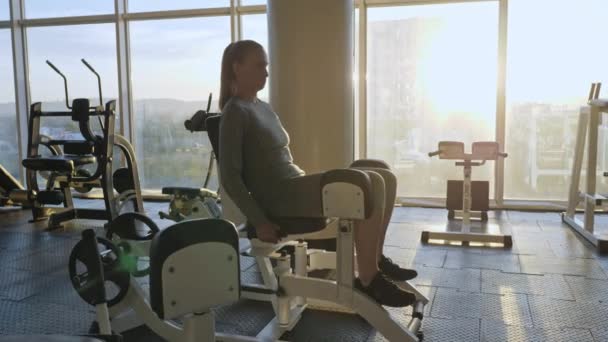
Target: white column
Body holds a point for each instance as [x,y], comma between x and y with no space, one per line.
[311,52]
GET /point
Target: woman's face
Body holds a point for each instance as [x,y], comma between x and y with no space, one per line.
[252,73]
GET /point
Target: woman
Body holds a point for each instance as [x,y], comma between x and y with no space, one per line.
[258,173]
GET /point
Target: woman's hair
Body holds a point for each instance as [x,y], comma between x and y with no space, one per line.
[233,53]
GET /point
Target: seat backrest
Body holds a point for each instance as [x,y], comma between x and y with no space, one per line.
[194,266]
[213,131]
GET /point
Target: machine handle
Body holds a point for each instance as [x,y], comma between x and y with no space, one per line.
[434,153]
[503,154]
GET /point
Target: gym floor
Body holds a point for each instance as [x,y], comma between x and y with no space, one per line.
[551,286]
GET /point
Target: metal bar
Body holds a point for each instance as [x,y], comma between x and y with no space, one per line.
[382,3]
[579,227]
[235,32]
[579,151]
[63,21]
[592,135]
[20,74]
[501,103]
[362,89]
[123,58]
[176,14]
[254,9]
[469,237]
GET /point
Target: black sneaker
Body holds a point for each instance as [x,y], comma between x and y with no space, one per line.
[385,292]
[393,271]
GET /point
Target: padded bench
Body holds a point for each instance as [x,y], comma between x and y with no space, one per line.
[61,163]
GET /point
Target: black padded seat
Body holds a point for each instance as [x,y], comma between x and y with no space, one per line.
[48,338]
[62,163]
[293,225]
[190,192]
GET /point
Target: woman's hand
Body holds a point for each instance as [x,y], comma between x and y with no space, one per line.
[268,232]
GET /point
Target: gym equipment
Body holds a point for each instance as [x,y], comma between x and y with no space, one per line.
[189,272]
[187,259]
[8,184]
[346,197]
[465,196]
[189,203]
[589,122]
[69,157]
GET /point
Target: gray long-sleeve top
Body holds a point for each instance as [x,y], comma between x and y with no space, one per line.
[254,155]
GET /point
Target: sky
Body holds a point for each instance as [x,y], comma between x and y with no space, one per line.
[553,50]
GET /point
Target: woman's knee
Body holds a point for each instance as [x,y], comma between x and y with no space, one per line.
[390,180]
[378,188]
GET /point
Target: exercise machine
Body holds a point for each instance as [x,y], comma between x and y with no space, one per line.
[589,122]
[467,199]
[346,197]
[8,184]
[66,166]
[194,266]
[188,203]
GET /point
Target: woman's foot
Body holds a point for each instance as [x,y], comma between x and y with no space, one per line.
[385,292]
[393,271]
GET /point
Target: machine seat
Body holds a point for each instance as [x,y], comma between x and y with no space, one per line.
[299,226]
[189,192]
[62,163]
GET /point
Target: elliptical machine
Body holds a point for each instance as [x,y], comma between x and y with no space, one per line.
[191,203]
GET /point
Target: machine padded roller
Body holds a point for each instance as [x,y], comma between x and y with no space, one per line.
[78,147]
[80,109]
[370,163]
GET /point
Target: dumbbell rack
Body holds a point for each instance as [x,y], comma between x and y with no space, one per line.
[481,152]
[590,119]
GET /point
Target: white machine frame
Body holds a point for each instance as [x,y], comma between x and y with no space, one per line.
[589,122]
[291,291]
[481,152]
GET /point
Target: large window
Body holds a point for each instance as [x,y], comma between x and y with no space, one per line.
[253,2]
[67,8]
[175,65]
[431,76]
[4,10]
[255,26]
[9,151]
[97,45]
[550,68]
[164,5]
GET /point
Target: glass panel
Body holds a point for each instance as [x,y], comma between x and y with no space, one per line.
[175,65]
[252,2]
[431,76]
[550,69]
[46,86]
[9,148]
[255,27]
[4,10]
[164,5]
[67,8]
